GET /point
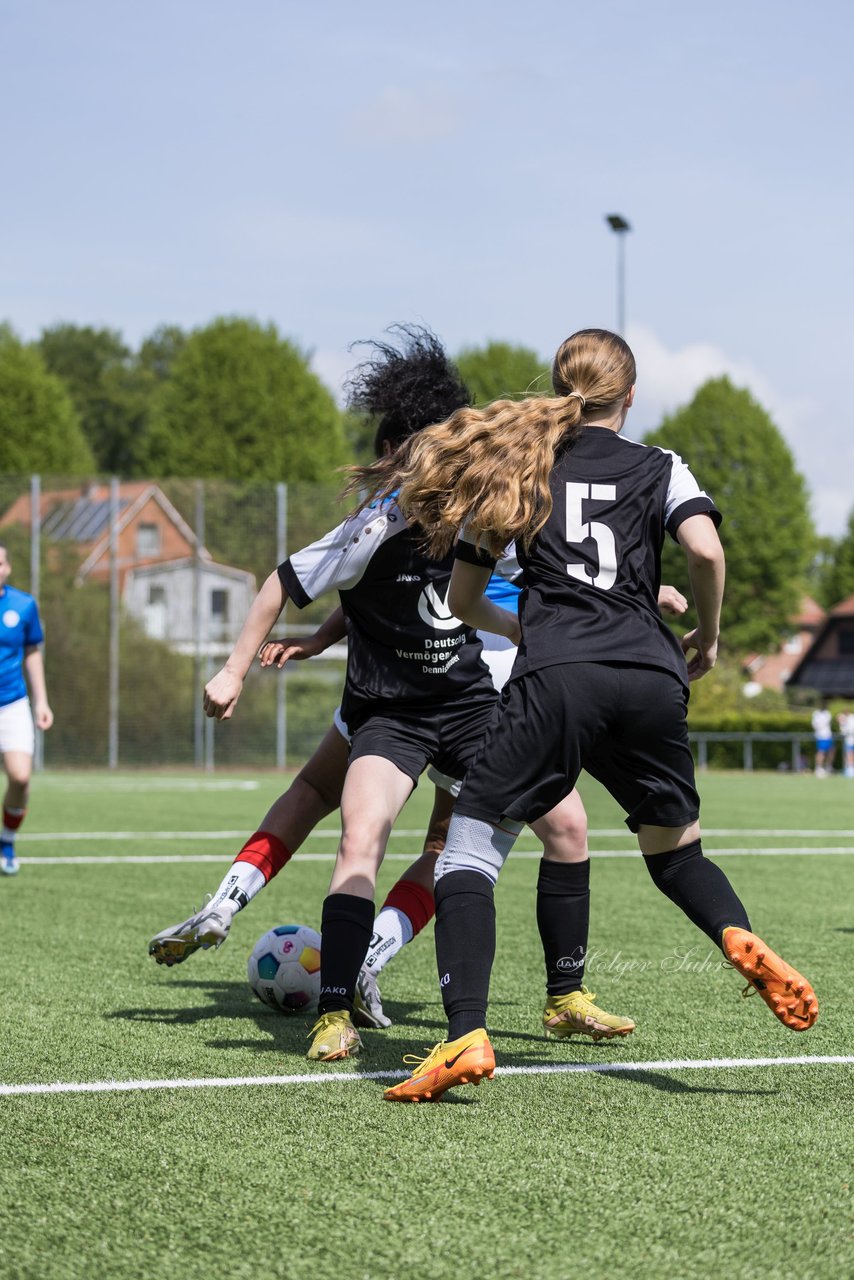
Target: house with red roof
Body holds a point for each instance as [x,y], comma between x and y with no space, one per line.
[774,670]
[167,577]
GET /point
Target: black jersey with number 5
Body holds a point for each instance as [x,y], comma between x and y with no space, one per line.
[593,572]
[405,645]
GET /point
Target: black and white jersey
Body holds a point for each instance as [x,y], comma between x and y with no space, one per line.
[593,572]
[405,646]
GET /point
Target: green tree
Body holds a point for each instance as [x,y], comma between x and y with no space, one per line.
[159,351]
[39,426]
[98,370]
[500,371]
[241,403]
[836,572]
[740,458]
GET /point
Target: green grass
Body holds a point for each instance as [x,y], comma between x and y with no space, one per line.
[665,1173]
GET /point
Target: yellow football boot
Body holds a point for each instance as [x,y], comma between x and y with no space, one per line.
[575,1014]
[334,1037]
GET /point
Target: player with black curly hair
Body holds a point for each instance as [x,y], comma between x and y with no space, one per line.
[404,387]
[401,388]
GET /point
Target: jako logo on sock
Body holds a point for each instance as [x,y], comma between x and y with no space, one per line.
[333,991]
[445,981]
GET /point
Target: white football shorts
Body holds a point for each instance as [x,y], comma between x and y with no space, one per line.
[17,732]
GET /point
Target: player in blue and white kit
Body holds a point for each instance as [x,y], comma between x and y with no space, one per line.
[20,655]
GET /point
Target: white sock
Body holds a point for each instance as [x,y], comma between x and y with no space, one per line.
[239,887]
[392,930]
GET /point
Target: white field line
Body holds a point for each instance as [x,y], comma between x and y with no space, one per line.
[100,783]
[145,859]
[347,1077]
[334,833]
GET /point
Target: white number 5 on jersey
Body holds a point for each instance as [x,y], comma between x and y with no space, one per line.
[577,531]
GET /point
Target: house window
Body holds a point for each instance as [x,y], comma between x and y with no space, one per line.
[219,605]
[147,540]
[155,612]
[846,643]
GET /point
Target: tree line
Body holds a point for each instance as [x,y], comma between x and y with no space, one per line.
[235,400]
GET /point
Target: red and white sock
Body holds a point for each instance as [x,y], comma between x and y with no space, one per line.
[261,858]
[404,913]
[12,819]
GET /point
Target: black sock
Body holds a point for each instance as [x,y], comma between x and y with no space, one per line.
[699,887]
[346,926]
[465,947]
[563,918]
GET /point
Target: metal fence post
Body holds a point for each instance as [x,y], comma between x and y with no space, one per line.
[113,678]
[198,710]
[281,698]
[35,581]
[210,762]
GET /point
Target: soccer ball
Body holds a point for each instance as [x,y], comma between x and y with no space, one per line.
[284,968]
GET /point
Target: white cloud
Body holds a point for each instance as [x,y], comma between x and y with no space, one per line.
[669,378]
[817,435]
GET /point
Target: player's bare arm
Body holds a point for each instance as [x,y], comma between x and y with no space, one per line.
[295,649]
[34,670]
[706,571]
[468,603]
[224,689]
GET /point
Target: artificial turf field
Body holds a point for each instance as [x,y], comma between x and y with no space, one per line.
[657,1171]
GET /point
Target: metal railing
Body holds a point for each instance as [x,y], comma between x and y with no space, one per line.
[797,761]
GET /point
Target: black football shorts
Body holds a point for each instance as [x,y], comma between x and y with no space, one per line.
[445,734]
[624,724]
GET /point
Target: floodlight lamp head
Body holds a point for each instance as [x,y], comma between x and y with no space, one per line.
[617,223]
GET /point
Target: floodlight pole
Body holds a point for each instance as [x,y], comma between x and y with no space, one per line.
[620,226]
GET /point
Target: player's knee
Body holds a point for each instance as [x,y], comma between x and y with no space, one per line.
[317,793]
[18,776]
[662,867]
[473,845]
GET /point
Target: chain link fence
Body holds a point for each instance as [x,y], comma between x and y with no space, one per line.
[142,587]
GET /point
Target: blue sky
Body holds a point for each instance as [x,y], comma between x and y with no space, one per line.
[335,168]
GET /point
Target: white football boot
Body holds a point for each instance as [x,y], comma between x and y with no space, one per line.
[207,928]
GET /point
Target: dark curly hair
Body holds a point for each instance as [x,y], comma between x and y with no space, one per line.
[407,386]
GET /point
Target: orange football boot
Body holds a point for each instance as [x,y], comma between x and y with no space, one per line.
[786,993]
[464,1061]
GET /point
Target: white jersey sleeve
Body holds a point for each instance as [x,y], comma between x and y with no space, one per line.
[339,560]
[684,496]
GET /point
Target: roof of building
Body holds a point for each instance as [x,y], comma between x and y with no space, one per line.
[831,678]
[845,609]
[810,615]
[81,519]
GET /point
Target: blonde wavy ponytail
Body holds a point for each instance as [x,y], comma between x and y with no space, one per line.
[489,468]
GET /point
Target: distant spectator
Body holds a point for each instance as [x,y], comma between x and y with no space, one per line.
[845,720]
[20,655]
[822,727]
